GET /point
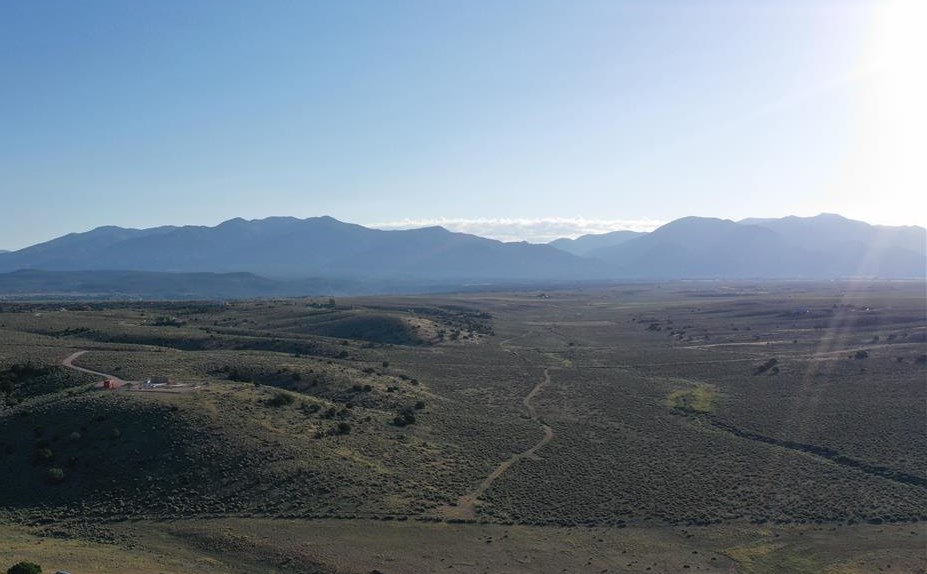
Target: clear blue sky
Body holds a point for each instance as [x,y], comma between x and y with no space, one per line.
[193,112]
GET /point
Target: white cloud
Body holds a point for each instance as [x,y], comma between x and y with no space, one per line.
[537,230]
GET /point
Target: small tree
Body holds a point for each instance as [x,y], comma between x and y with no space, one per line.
[404,418]
[25,568]
[55,476]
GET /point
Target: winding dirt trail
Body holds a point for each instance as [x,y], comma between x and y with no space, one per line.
[466,504]
[68,362]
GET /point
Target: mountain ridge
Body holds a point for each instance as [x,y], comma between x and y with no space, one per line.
[324,249]
[583,244]
[819,247]
[283,247]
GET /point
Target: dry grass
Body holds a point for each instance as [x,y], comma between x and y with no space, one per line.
[656,404]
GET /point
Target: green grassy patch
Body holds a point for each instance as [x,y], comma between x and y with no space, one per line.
[697,399]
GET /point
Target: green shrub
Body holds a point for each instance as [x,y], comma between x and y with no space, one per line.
[25,568]
[404,418]
[55,475]
[280,400]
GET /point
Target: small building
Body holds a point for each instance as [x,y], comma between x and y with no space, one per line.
[110,384]
[157,382]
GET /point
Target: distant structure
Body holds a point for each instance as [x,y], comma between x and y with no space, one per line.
[158,382]
[110,384]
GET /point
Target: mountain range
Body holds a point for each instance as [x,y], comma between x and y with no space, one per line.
[823,247]
[293,255]
[286,247]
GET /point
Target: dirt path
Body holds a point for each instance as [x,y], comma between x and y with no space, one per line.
[466,504]
[68,362]
[121,384]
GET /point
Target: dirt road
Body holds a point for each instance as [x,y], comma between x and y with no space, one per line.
[466,504]
[68,362]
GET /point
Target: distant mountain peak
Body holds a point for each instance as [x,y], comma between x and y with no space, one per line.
[282,247]
[431,229]
[696,220]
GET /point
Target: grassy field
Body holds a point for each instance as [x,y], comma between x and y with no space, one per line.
[723,427]
[228,545]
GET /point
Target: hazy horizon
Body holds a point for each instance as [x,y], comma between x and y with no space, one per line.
[537,230]
[534,114]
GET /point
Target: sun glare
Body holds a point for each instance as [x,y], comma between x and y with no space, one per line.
[899,120]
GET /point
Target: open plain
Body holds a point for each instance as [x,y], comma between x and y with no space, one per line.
[686,426]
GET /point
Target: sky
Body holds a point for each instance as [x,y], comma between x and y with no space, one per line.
[516,119]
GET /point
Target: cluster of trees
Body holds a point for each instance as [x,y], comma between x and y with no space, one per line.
[19,373]
[21,381]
